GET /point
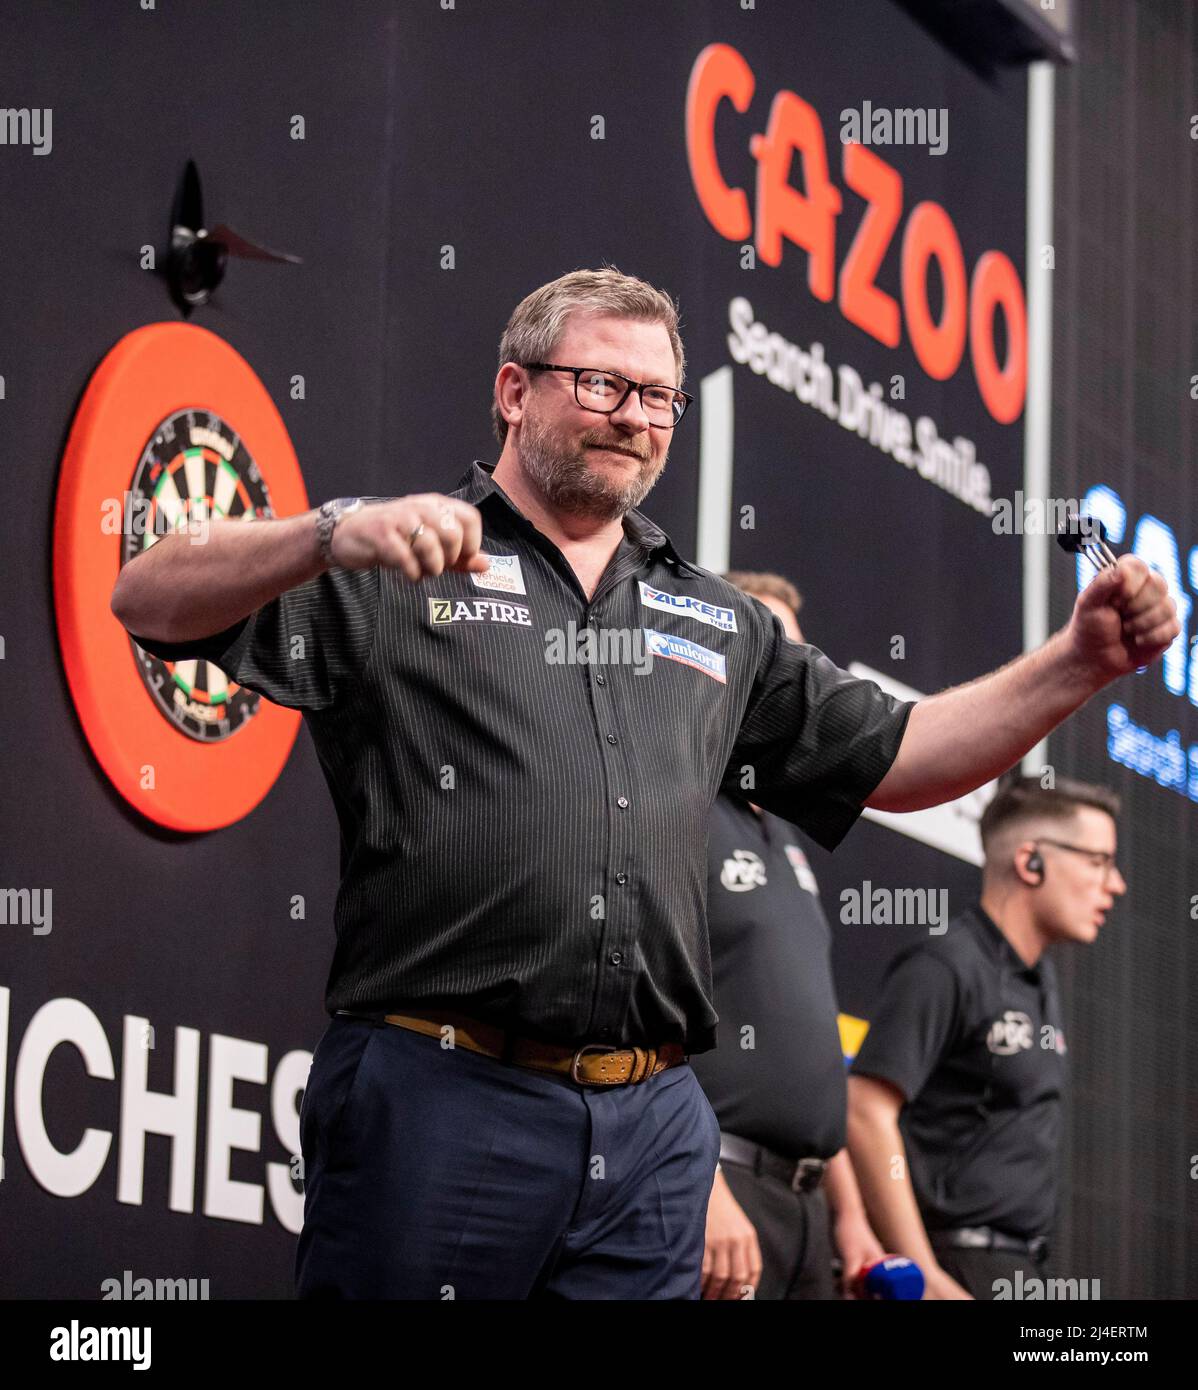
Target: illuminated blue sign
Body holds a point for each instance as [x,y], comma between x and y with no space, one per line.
[1154,542]
[1165,759]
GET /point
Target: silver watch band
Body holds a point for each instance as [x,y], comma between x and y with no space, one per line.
[327,517]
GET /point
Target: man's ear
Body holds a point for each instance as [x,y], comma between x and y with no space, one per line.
[511,387]
[1029,864]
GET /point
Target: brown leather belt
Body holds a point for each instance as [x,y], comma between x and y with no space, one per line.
[592,1064]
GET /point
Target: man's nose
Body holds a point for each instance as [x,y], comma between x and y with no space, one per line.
[1115,883]
[631,415]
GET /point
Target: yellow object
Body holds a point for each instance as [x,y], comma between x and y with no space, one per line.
[852,1034]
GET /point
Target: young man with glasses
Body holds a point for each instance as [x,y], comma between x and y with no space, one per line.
[956,1095]
[501,1105]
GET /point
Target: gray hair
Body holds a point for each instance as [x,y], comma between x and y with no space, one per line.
[539,320]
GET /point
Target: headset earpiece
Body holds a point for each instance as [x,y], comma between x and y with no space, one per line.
[1035,865]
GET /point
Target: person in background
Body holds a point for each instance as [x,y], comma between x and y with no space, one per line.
[956,1095]
[784,1197]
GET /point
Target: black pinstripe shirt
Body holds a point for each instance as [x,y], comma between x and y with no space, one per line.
[523,778]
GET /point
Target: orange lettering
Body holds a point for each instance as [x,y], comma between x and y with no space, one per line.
[806,220]
[861,302]
[996,284]
[930,232]
[719,72]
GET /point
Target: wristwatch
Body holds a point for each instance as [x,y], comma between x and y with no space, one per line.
[329,514]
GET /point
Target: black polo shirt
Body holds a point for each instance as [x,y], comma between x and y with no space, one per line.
[777,1075]
[972,1037]
[523,833]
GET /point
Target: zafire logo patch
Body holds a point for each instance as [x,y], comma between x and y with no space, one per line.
[477,610]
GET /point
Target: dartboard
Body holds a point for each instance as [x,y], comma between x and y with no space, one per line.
[174,431]
[193,470]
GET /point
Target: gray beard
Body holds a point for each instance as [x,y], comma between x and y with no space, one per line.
[569,485]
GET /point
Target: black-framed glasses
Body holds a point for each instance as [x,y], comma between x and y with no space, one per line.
[1099,858]
[605,392]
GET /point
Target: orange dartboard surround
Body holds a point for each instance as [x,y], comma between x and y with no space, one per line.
[174,429]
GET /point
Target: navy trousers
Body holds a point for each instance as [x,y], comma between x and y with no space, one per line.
[436,1173]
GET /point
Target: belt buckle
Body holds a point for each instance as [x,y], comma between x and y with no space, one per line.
[975,1238]
[807,1174]
[581,1052]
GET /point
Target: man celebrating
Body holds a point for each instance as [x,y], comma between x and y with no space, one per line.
[967,1045]
[501,1105]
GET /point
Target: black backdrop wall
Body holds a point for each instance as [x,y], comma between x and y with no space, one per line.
[451,161]
[1126,307]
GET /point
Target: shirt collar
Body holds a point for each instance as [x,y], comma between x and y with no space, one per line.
[1002,947]
[477,485]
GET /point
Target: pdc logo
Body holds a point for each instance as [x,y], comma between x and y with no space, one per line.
[744,871]
[1010,1034]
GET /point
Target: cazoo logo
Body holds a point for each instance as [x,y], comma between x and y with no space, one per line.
[1010,1034]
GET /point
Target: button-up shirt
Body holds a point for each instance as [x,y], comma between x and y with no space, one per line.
[523,776]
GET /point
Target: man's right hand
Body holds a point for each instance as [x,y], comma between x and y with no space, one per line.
[940,1285]
[380,534]
[731,1254]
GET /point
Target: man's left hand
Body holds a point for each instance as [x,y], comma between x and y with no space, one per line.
[1122,620]
[858,1247]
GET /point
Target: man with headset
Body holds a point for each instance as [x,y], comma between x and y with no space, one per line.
[956,1096]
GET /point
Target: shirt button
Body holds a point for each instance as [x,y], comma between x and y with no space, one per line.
[616,957]
[622,803]
[621,878]
[611,738]
[601,679]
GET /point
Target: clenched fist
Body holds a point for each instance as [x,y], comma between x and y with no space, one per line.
[1123,619]
[423,535]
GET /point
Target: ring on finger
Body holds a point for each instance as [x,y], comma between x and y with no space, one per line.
[417,532]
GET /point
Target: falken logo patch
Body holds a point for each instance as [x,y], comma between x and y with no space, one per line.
[671,648]
[477,610]
[502,573]
[687,606]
